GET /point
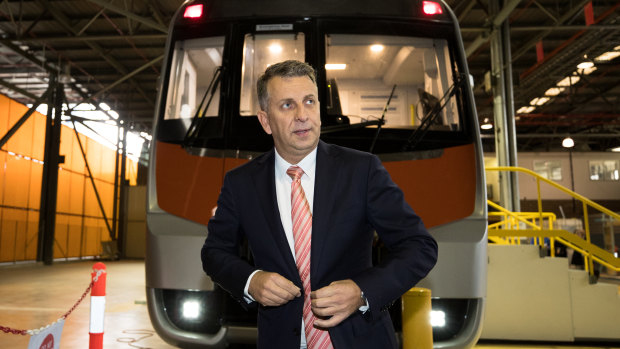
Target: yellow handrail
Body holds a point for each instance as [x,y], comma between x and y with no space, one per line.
[557,186]
[571,240]
[585,247]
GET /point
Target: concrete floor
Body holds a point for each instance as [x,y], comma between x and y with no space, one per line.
[33,295]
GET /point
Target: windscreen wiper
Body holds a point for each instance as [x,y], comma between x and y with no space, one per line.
[379,122]
[374,140]
[192,132]
[434,111]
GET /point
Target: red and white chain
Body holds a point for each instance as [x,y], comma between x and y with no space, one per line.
[63,317]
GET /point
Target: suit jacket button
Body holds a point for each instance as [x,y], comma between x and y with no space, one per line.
[296,331]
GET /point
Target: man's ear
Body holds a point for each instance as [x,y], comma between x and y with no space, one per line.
[263,118]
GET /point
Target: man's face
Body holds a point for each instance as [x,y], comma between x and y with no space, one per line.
[293,116]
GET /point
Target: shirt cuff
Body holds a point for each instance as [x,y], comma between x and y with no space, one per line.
[364,308]
[246,295]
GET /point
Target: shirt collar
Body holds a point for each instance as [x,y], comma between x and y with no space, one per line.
[308,164]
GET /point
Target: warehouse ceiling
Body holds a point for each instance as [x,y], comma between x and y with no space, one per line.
[112,51]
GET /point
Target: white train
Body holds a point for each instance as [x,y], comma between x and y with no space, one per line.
[393,80]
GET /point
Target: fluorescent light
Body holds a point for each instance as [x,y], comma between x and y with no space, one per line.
[539,101]
[335,66]
[376,48]
[568,81]
[568,142]
[607,56]
[585,65]
[525,110]
[586,71]
[617,149]
[554,91]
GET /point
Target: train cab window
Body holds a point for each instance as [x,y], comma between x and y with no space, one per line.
[194,67]
[259,52]
[362,71]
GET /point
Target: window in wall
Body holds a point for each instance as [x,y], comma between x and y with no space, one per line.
[548,169]
[604,170]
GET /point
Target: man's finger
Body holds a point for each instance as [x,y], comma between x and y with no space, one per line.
[288,286]
[331,322]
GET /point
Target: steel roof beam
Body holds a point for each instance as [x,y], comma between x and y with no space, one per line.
[115,37]
[494,24]
[131,15]
[65,22]
[565,17]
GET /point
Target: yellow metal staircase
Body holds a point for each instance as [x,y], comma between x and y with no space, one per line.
[510,227]
[534,296]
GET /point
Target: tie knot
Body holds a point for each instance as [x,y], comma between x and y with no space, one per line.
[295,172]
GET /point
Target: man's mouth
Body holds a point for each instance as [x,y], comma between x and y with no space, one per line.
[301,132]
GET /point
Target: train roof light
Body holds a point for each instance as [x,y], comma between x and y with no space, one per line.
[431,8]
[193,11]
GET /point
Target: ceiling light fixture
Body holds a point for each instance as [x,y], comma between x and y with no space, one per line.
[568,81]
[568,142]
[376,48]
[585,65]
[554,91]
[335,66]
[525,110]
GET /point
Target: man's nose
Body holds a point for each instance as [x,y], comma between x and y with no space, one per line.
[301,114]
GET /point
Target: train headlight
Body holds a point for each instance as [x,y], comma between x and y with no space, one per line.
[191,309]
[438,318]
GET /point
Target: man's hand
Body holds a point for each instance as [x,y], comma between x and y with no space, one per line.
[338,300]
[272,289]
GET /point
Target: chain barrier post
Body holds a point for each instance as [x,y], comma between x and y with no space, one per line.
[97,306]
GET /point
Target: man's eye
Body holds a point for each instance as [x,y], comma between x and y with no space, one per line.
[310,101]
[287,106]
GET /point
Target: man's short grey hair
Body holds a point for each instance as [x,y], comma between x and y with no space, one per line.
[286,69]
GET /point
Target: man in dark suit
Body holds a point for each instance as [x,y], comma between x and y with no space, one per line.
[331,198]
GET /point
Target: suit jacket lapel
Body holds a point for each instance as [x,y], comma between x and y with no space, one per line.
[264,182]
[325,182]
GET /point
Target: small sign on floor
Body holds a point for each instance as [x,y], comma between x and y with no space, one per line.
[49,338]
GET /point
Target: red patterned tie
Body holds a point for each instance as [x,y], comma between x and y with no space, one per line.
[302,231]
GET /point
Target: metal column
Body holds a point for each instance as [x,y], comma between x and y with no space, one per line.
[504,132]
[511,129]
[49,182]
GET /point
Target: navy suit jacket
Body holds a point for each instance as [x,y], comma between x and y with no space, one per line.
[354,196]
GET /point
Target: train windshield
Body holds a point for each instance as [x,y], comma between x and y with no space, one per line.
[379,91]
[364,72]
[194,63]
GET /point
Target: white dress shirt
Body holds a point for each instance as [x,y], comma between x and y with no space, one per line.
[283,196]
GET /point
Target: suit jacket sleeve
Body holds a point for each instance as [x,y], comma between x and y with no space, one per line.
[412,251]
[220,252]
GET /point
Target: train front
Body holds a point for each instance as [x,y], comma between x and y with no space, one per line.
[392,80]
